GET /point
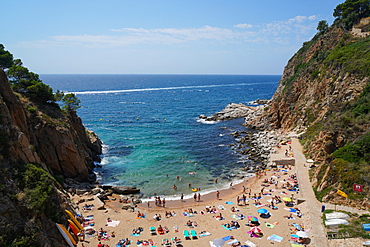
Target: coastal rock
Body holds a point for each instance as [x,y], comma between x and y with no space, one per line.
[231,111]
[124,190]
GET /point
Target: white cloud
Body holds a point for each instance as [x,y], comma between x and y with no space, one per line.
[243,25]
[277,32]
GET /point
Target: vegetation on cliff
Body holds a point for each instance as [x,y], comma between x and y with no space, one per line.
[40,146]
[325,94]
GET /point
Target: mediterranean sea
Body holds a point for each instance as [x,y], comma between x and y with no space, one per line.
[151,131]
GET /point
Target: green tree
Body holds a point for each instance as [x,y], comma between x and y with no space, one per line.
[322,26]
[6,58]
[71,102]
[40,92]
[352,11]
[58,95]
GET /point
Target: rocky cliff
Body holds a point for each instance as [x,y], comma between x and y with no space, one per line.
[40,147]
[322,95]
[45,136]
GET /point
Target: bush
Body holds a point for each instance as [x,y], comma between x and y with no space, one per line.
[32,109]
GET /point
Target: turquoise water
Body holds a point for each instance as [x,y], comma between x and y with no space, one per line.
[150,128]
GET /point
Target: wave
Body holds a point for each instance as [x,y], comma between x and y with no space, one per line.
[203,121]
[162,88]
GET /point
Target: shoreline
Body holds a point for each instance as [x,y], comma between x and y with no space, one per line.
[128,219]
[208,198]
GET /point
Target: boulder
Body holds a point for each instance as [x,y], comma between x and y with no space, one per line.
[124,190]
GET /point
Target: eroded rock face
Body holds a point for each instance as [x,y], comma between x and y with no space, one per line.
[306,96]
[61,144]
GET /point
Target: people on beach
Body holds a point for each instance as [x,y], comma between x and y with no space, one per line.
[218,195]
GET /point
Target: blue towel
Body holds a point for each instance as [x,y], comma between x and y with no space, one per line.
[275,238]
[230,203]
[226,238]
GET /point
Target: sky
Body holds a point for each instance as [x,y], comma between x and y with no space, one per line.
[159,36]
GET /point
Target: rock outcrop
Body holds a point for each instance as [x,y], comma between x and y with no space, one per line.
[231,111]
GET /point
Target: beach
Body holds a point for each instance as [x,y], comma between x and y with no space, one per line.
[276,229]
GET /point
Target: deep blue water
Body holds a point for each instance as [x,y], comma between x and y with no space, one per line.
[150,127]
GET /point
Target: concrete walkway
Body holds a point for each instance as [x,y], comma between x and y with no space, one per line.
[311,208]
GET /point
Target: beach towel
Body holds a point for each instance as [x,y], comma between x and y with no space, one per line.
[233,242]
[227,238]
[275,238]
[298,227]
[141,217]
[230,203]
[113,223]
[260,205]
[250,244]
[218,218]
[295,244]
[204,234]
[188,214]
[236,217]
[221,207]
[227,228]
[269,225]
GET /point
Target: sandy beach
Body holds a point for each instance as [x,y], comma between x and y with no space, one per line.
[283,221]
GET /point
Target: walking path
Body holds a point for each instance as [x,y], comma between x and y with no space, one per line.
[311,207]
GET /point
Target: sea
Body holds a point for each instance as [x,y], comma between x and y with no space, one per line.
[152,134]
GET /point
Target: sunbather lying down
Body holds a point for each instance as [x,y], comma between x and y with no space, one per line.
[191,223]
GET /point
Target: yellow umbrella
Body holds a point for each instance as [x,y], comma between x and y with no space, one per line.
[287,199]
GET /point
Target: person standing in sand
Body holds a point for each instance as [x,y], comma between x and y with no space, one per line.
[218,195]
[198,197]
[182,197]
[195,197]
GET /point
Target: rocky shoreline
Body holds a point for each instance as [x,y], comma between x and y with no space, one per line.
[256,144]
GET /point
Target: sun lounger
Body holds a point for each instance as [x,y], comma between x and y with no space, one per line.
[153,230]
[166,242]
[187,234]
[176,243]
[194,234]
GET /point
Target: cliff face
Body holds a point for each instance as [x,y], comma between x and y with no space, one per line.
[324,96]
[62,145]
[59,147]
[312,91]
